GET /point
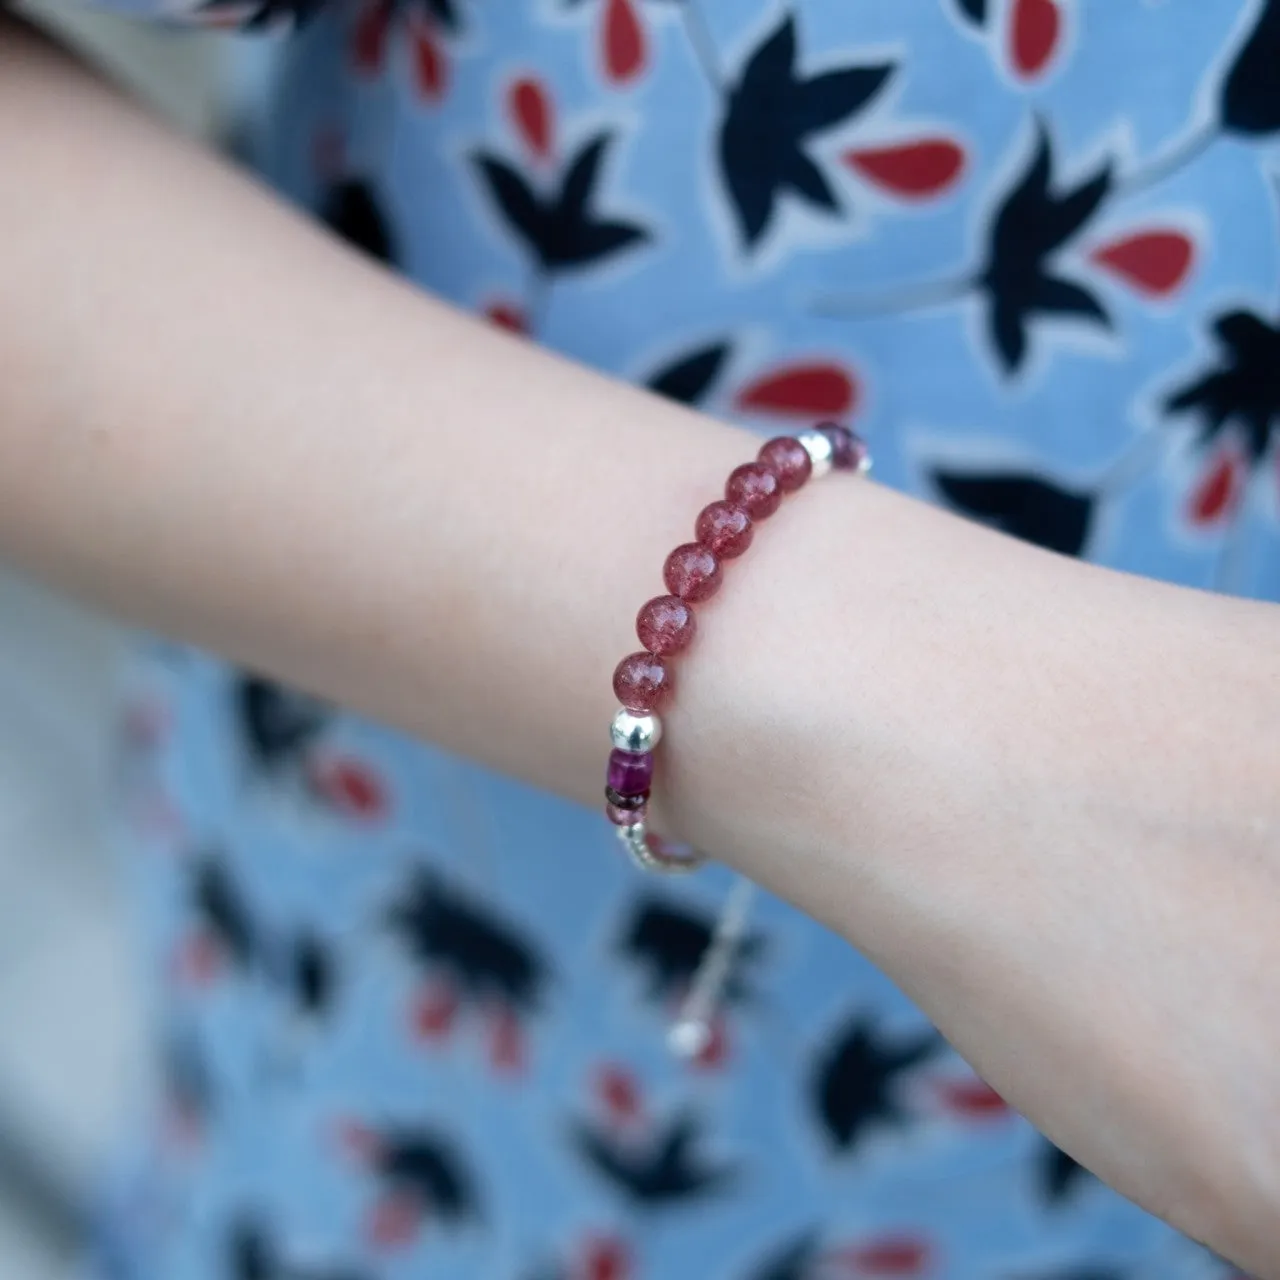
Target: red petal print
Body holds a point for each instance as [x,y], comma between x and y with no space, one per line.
[624,43]
[1156,263]
[158,818]
[913,170]
[973,1098]
[219,19]
[890,1256]
[605,1259]
[435,1012]
[619,1091]
[533,116]
[183,1127]
[369,42]
[358,1140]
[1037,28]
[802,391]
[350,787]
[430,69]
[146,724]
[394,1222]
[1218,491]
[716,1053]
[506,1045]
[506,315]
[200,960]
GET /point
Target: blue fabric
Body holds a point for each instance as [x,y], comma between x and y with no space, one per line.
[414,1012]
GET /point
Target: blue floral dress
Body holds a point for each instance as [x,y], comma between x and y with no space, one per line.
[413,1012]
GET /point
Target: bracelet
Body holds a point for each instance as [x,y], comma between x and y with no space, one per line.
[666,625]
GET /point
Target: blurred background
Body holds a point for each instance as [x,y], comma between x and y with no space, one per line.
[71,1059]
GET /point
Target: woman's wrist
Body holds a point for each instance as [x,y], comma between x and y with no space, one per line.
[1041,796]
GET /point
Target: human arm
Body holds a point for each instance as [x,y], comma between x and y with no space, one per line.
[1040,795]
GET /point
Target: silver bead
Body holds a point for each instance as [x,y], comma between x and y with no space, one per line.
[819,449]
[635,839]
[632,732]
[688,1037]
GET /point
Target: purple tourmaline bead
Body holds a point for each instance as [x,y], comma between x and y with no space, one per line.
[630,772]
[848,449]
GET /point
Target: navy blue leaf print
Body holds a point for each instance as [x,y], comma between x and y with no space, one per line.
[663,1170]
[561,231]
[351,209]
[1244,390]
[445,12]
[251,1255]
[974,11]
[313,975]
[1031,225]
[1251,92]
[1072,1273]
[514,196]
[798,1259]
[1026,507]
[278,725]
[853,1084]
[427,1167]
[484,955]
[771,113]
[690,378]
[1060,1174]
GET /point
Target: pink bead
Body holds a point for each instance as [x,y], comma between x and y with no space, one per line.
[789,460]
[692,573]
[725,530]
[641,681]
[630,772]
[666,625]
[625,817]
[755,489]
[848,449]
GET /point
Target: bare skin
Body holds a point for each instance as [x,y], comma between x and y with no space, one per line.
[1042,796]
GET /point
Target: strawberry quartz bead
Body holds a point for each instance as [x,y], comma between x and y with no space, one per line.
[848,449]
[789,460]
[666,625]
[692,573]
[641,681]
[725,530]
[755,489]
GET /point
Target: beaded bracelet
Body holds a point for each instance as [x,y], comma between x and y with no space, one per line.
[666,625]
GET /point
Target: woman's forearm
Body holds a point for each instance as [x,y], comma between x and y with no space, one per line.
[1040,795]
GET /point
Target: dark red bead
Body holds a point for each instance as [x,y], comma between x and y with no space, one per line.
[848,449]
[692,573]
[620,801]
[641,681]
[725,530]
[621,817]
[789,460]
[666,625]
[755,489]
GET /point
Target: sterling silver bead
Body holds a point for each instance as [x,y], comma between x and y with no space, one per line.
[688,1037]
[633,732]
[819,449]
